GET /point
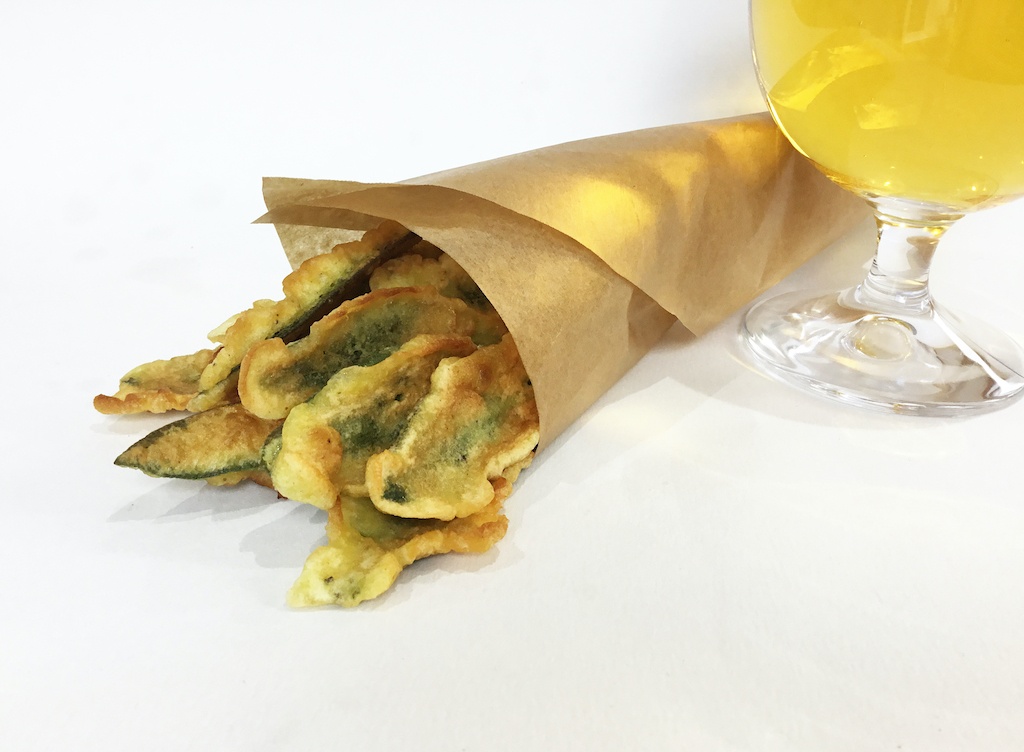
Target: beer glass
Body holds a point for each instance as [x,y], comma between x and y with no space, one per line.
[918,107]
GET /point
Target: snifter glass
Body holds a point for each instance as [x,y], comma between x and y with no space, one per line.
[918,107]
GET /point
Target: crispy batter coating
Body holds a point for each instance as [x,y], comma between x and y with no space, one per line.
[158,386]
[362,410]
[449,279]
[478,422]
[219,442]
[425,249]
[441,273]
[383,387]
[224,392]
[367,549]
[259,477]
[275,377]
[319,285]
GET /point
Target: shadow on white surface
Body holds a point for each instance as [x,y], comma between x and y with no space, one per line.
[165,504]
[283,542]
[135,426]
[419,578]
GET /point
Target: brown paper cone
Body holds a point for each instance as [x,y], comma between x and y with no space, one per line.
[590,250]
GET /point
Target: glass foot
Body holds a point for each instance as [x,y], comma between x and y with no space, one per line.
[927,362]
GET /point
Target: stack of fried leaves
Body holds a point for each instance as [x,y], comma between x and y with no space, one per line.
[383,388]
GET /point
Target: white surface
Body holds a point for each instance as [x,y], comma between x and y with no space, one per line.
[706,561]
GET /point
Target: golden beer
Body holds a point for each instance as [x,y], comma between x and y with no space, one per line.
[921,99]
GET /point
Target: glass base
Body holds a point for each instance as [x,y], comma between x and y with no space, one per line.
[927,362]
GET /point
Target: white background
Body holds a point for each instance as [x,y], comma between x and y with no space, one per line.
[705,561]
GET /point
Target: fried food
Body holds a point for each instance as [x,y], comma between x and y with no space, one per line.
[220,442]
[259,477]
[383,387]
[362,410]
[441,273]
[449,279]
[367,549]
[478,421]
[425,250]
[318,286]
[158,386]
[275,377]
[224,392]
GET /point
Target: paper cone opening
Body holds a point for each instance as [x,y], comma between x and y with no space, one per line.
[590,250]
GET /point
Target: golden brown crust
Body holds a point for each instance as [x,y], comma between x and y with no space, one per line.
[275,377]
[366,553]
[218,442]
[478,422]
[327,440]
[158,386]
[415,384]
[140,402]
[310,291]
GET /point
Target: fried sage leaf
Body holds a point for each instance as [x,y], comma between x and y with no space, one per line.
[275,377]
[220,442]
[478,422]
[209,378]
[259,477]
[367,549]
[449,279]
[158,386]
[224,392]
[362,410]
[318,286]
[441,273]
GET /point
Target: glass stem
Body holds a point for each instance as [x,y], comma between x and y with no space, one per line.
[898,279]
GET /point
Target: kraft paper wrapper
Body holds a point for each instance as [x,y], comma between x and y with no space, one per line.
[590,250]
